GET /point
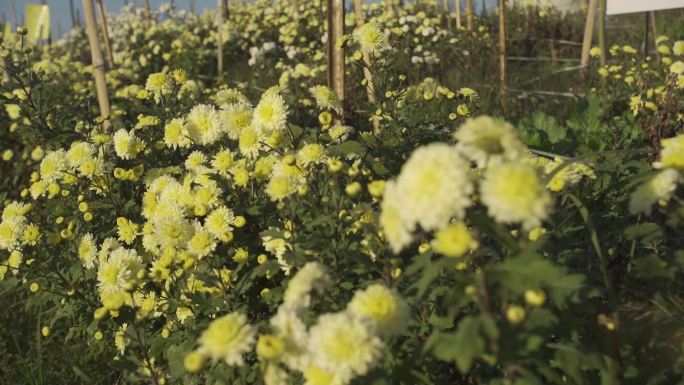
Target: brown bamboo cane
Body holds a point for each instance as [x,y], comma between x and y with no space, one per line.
[147,9]
[192,6]
[458,14]
[98,63]
[602,30]
[470,25]
[503,91]
[447,12]
[367,75]
[219,36]
[105,34]
[15,21]
[335,50]
[588,34]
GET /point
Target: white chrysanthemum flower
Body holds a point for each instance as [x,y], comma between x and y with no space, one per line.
[227,338]
[515,193]
[203,124]
[220,223]
[488,141]
[229,97]
[196,161]
[222,162]
[176,134]
[280,187]
[278,247]
[312,276]
[159,83]
[671,153]
[202,242]
[87,251]
[119,272]
[291,329]
[312,153]
[270,115]
[383,306]
[344,345]
[52,166]
[433,187]
[127,145]
[326,99]
[678,48]
[658,188]
[79,152]
[677,67]
[397,231]
[15,210]
[250,142]
[340,133]
[370,37]
[235,117]
[10,233]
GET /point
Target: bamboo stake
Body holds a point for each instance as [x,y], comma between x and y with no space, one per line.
[484,8]
[654,31]
[458,14]
[105,34]
[73,13]
[335,50]
[370,87]
[14,13]
[447,12]
[147,9]
[192,6]
[588,33]
[602,30]
[502,55]
[98,63]
[646,28]
[78,18]
[469,16]
[219,35]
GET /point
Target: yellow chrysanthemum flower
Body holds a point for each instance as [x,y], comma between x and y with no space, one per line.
[227,338]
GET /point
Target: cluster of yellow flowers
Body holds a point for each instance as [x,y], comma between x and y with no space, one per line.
[333,350]
[660,187]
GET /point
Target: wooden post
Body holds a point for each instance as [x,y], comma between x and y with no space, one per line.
[192,6]
[105,34]
[469,16]
[654,31]
[98,63]
[502,56]
[219,35]
[588,34]
[602,30]
[458,14]
[15,21]
[73,13]
[646,35]
[484,8]
[370,87]
[447,12]
[335,51]
[147,9]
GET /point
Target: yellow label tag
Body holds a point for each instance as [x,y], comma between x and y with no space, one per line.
[37,22]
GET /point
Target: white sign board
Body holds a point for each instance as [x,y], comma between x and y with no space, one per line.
[629,6]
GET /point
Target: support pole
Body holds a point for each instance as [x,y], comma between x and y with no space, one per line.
[602,30]
[192,6]
[447,13]
[147,9]
[469,16]
[105,34]
[219,35]
[370,87]
[502,56]
[458,14]
[647,20]
[15,21]
[588,34]
[98,63]
[335,51]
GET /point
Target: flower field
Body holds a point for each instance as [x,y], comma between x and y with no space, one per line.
[399,207]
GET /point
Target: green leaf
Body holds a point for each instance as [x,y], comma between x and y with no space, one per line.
[346,148]
[645,232]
